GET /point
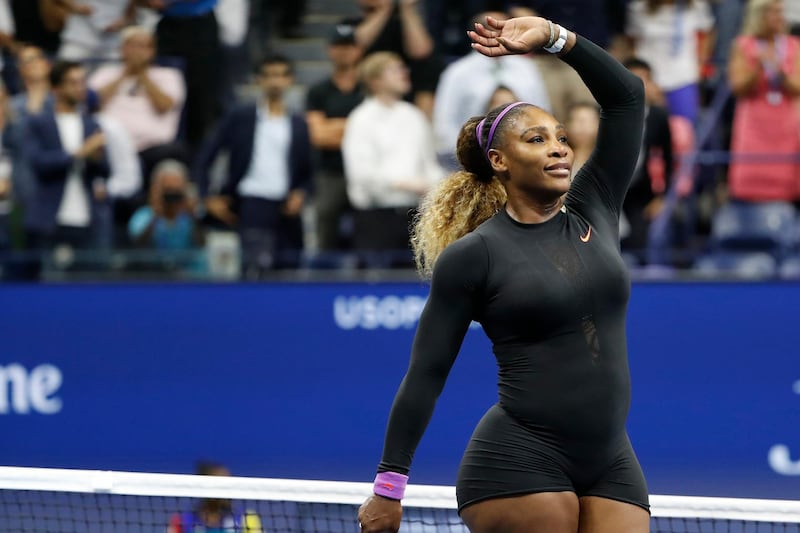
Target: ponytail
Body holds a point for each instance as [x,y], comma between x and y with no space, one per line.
[456,206]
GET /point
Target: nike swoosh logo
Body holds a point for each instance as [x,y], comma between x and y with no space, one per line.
[585,238]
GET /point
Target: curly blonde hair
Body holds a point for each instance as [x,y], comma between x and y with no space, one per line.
[459,203]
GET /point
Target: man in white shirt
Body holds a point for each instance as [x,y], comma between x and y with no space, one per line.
[467,84]
[67,153]
[389,159]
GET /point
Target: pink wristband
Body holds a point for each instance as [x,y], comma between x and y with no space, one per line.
[390,485]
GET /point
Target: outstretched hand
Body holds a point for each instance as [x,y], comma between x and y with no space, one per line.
[514,36]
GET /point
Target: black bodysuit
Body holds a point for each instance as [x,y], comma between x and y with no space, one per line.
[552,297]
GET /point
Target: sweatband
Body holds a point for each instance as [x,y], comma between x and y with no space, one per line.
[390,485]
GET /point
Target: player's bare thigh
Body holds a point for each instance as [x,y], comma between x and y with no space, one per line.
[603,515]
[544,512]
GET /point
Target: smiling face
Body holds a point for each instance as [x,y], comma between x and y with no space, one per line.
[531,154]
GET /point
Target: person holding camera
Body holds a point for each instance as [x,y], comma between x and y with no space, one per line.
[168,221]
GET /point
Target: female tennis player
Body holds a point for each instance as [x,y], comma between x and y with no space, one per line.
[511,244]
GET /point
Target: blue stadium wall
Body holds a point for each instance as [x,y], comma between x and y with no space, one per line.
[295,380]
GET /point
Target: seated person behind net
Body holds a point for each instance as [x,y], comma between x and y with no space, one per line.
[214,515]
[168,221]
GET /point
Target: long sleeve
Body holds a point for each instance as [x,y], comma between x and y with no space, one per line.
[49,164]
[459,274]
[361,160]
[384,149]
[603,181]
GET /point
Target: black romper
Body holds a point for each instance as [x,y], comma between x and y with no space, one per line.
[552,297]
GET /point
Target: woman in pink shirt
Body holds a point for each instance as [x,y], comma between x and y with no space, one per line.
[764,74]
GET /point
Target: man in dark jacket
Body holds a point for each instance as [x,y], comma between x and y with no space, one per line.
[268,174]
[67,154]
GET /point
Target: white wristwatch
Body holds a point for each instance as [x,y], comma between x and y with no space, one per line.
[560,41]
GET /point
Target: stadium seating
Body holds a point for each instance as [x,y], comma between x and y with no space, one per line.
[750,239]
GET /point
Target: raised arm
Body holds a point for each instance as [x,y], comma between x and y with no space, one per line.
[619,93]
[459,273]
[619,140]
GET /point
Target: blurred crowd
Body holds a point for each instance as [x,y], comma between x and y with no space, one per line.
[174,127]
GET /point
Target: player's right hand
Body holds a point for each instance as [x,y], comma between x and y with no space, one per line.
[380,515]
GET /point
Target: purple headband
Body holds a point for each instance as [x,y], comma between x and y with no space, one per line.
[479,129]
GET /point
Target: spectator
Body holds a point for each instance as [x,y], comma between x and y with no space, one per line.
[188,30]
[328,104]
[665,33]
[397,26]
[34,70]
[67,153]
[168,221]
[268,173]
[146,99]
[765,78]
[387,173]
[214,514]
[653,173]
[467,84]
[583,121]
[92,29]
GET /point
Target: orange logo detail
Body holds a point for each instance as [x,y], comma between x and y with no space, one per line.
[387,486]
[585,238]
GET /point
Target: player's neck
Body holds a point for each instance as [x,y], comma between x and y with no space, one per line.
[531,211]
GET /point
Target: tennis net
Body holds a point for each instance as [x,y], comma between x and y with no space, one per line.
[87,501]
